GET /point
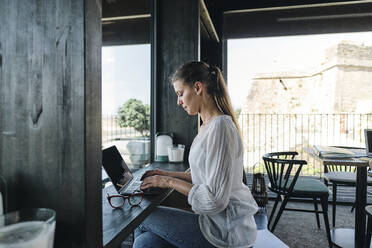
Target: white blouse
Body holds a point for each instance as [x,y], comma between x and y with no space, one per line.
[224,203]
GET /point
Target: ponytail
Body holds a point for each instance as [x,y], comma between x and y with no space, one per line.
[222,98]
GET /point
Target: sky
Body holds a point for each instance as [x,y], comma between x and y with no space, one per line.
[126,69]
[126,73]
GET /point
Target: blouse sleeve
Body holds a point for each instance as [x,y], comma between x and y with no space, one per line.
[212,196]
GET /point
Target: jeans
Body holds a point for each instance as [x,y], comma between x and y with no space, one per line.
[169,227]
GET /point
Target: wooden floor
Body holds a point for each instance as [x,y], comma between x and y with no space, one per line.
[345,195]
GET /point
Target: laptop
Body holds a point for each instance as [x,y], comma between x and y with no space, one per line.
[119,173]
[368,138]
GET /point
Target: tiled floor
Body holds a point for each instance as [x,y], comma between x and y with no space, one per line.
[299,229]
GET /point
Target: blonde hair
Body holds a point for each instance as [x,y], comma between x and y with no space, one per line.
[212,77]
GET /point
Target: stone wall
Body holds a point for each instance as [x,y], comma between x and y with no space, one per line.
[296,109]
[342,84]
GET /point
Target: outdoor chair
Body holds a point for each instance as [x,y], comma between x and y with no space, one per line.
[340,175]
[283,172]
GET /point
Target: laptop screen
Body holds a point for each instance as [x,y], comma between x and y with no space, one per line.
[368,137]
[116,168]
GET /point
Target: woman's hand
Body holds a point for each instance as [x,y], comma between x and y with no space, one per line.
[156,181]
[150,173]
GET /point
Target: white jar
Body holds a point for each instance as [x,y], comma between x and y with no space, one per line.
[175,153]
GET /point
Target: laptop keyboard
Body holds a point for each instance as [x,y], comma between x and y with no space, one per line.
[135,185]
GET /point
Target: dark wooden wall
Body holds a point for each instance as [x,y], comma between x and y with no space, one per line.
[177,41]
[257,4]
[352,17]
[50,112]
[211,50]
[117,8]
[126,32]
[126,22]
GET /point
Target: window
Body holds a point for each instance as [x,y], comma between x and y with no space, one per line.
[299,78]
[126,80]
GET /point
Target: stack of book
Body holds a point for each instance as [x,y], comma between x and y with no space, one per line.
[334,152]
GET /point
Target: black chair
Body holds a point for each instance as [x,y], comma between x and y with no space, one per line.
[340,175]
[283,172]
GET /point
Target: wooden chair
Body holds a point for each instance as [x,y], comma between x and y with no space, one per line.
[283,172]
[340,175]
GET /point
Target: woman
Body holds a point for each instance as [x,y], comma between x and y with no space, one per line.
[222,205]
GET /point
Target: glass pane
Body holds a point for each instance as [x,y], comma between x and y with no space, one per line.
[293,92]
[126,101]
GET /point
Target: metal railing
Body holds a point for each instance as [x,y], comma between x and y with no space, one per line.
[134,148]
[264,133]
[112,131]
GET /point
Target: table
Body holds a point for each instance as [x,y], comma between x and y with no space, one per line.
[343,237]
[117,224]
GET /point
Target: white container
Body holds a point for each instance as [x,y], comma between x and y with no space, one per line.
[162,143]
[175,153]
[31,228]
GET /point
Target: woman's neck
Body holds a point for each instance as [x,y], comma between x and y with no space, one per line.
[208,109]
[208,115]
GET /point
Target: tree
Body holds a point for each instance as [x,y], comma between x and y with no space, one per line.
[133,113]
